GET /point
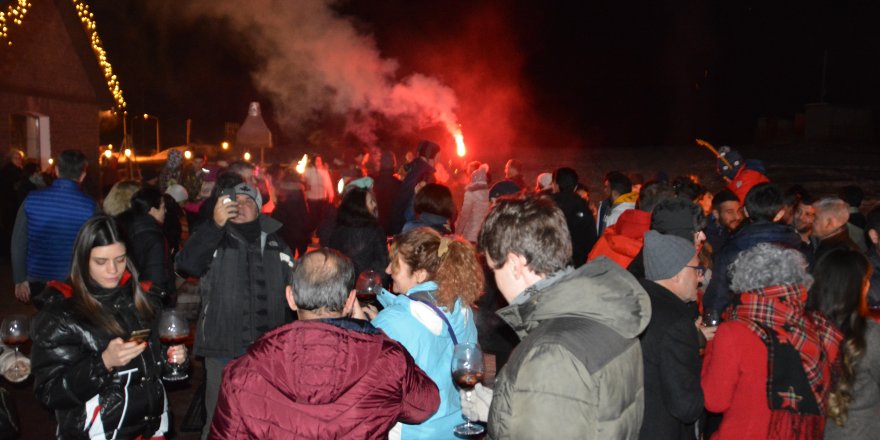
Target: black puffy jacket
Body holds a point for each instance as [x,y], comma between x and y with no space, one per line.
[148,249]
[70,378]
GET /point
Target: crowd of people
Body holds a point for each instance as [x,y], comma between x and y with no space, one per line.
[661,310]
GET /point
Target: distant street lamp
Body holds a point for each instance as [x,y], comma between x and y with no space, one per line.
[225,145]
[149,116]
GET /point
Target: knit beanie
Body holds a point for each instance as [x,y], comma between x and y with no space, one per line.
[733,158]
[665,255]
[243,188]
[677,216]
[503,188]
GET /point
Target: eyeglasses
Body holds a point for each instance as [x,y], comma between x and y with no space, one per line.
[700,269]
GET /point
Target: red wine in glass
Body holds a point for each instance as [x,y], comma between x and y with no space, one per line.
[15,341]
[368,285]
[174,340]
[467,379]
[173,330]
[14,333]
[467,372]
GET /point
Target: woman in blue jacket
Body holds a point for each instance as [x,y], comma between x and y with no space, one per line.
[438,278]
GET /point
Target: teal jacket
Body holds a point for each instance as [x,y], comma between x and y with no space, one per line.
[418,328]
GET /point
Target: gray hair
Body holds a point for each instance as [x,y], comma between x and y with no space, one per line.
[766,265]
[322,279]
[832,207]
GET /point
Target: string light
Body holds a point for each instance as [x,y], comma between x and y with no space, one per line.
[14,14]
[88,21]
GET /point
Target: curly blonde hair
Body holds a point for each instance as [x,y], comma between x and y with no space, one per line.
[449,261]
[118,200]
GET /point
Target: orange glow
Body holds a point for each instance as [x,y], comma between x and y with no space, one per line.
[108,154]
[460,148]
[247,156]
[128,152]
[187,154]
[225,145]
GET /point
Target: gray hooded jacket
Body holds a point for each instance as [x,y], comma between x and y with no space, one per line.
[578,371]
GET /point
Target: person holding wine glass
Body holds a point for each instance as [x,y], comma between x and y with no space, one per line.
[438,278]
[96,356]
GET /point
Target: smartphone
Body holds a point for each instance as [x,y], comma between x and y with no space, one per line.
[228,192]
[139,335]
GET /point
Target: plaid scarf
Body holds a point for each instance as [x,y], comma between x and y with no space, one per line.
[800,349]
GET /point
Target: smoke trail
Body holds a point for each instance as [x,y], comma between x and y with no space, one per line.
[314,60]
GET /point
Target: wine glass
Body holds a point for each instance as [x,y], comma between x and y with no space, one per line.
[368,285]
[173,330]
[14,333]
[467,372]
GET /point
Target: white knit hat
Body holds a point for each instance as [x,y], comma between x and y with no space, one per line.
[178,192]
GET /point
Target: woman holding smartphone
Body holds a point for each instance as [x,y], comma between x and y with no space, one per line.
[96,355]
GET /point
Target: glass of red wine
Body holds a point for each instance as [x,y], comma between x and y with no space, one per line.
[467,372]
[173,330]
[14,333]
[368,285]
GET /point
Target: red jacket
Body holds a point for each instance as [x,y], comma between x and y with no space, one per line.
[622,241]
[734,382]
[744,181]
[322,379]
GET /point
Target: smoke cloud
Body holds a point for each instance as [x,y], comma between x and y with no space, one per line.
[314,61]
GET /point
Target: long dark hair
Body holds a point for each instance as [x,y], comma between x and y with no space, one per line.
[840,278]
[101,230]
[353,210]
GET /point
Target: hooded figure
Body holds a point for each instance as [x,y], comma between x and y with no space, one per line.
[475,205]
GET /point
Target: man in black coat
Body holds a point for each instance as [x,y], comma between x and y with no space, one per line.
[830,226]
[670,343]
[243,266]
[577,213]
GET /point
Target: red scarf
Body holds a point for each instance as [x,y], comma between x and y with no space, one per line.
[776,315]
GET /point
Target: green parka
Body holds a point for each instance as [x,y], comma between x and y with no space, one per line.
[577,374]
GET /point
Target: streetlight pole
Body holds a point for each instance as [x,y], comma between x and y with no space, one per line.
[149,116]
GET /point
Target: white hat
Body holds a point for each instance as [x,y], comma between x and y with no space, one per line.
[544,180]
[178,192]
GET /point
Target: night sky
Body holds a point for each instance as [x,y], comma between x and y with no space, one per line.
[525,74]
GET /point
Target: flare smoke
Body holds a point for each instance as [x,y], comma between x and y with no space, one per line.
[314,60]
